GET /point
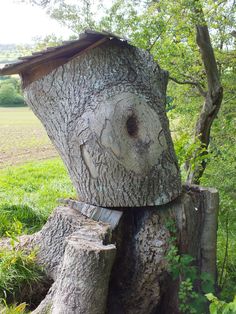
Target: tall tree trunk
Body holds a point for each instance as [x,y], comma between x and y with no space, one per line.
[213,98]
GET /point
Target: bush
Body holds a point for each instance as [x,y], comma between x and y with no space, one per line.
[10,93]
[220,307]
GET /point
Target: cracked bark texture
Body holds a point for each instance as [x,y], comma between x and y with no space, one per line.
[78,254]
[105,113]
[83,276]
[75,253]
[140,282]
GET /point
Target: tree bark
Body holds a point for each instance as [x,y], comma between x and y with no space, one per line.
[83,276]
[78,254]
[105,113]
[75,252]
[213,98]
[196,217]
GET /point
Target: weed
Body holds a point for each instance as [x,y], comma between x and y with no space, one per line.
[181,266]
[18,272]
[221,307]
[12,309]
[10,214]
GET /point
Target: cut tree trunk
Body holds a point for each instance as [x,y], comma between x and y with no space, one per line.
[140,282]
[105,113]
[75,253]
[83,276]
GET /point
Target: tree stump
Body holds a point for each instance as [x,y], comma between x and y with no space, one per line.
[83,269]
[78,254]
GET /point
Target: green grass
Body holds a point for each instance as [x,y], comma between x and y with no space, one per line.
[18,272]
[13,309]
[29,193]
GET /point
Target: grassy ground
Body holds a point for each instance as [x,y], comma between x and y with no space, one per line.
[22,137]
[29,193]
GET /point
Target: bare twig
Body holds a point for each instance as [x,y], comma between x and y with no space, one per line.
[157,37]
[153,44]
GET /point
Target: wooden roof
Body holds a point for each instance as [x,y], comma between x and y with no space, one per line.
[58,55]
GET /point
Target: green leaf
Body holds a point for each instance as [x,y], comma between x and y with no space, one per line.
[213,308]
[211,297]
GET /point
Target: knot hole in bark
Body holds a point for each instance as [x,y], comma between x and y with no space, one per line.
[132,125]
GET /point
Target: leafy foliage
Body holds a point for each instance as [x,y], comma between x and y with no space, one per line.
[182,268]
[10,94]
[167,30]
[220,173]
[18,269]
[220,307]
[12,309]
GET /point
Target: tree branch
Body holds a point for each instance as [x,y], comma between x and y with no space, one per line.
[233,33]
[157,37]
[196,84]
[154,42]
[213,98]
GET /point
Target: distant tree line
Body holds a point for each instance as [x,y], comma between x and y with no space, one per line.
[10,92]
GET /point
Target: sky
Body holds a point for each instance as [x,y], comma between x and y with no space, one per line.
[20,23]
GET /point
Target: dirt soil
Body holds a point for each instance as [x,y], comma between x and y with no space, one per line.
[22,138]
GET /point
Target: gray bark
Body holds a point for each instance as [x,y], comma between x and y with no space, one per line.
[89,265]
[209,202]
[213,97]
[83,276]
[112,217]
[51,241]
[140,282]
[105,113]
[77,253]
[196,215]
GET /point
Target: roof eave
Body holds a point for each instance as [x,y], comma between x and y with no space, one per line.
[70,49]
